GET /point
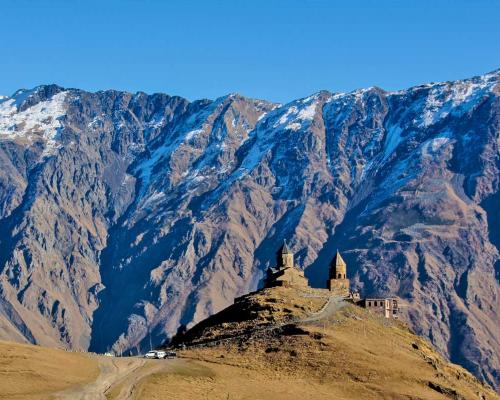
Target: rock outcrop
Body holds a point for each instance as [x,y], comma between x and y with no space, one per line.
[124,216]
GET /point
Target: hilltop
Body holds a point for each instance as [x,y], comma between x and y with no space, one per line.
[322,348]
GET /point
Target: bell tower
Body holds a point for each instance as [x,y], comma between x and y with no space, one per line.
[338,282]
[285,257]
[338,267]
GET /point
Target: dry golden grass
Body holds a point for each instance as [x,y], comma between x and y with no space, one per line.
[352,354]
[34,373]
[224,382]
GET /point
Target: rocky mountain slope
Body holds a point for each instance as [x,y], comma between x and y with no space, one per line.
[124,216]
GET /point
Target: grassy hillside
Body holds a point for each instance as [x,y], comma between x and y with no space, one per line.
[350,354]
[33,372]
[276,344]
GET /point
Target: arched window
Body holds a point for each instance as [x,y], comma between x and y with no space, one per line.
[339,276]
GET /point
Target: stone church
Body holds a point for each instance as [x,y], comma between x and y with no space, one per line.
[288,274]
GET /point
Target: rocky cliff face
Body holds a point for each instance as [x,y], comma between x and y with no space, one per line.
[124,216]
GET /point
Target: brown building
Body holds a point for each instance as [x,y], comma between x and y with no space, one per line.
[387,307]
[338,282]
[286,273]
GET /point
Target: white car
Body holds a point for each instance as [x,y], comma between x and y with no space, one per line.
[156,354]
[150,354]
[161,354]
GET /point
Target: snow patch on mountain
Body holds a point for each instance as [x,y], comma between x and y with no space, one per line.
[298,112]
[156,122]
[456,98]
[293,126]
[261,116]
[40,120]
[308,112]
[192,134]
[190,130]
[284,118]
[292,116]
[151,201]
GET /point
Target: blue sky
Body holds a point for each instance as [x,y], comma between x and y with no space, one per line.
[277,50]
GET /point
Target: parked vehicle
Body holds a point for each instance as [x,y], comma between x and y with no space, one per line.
[151,354]
[171,354]
[161,354]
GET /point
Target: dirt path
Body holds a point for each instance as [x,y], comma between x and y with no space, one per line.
[114,371]
[124,386]
[333,304]
[119,378]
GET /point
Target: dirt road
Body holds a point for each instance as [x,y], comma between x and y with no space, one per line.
[333,304]
[118,378]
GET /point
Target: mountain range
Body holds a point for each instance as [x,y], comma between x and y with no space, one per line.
[126,216]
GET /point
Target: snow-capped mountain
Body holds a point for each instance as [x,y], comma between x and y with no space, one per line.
[124,216]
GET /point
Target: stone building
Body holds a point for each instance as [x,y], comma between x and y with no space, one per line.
[338,282]
[387,307]
[286,273]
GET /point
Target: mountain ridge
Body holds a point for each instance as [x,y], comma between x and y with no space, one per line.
[125,215]
[140,92]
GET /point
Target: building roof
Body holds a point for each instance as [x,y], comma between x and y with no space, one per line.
[284,249]
[338,261]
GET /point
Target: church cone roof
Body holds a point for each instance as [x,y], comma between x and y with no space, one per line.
[285,249]
[338,261]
